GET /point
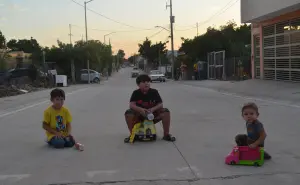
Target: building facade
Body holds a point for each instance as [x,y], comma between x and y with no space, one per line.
[275,38]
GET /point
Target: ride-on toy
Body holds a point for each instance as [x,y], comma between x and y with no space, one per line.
[143,131]
[244,155]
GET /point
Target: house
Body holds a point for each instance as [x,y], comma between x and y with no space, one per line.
[275,38]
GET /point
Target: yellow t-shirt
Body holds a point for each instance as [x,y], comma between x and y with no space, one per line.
[58,120]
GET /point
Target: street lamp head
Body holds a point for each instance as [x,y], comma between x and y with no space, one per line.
[86,2]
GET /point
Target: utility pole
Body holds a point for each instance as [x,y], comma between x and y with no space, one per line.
[70,34]
[44,61]
[159,59]
[197,29]
[72,60]
[86,39]
[172,21]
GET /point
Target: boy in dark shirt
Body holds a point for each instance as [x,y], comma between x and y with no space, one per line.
[147,100]
[256,134]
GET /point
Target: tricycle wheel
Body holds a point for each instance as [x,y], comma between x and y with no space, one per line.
[256,164]
[126,140]
[154,138]
[232,163]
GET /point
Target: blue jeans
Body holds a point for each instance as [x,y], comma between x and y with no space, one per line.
[57,142]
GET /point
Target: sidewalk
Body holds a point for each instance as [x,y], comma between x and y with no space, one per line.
[262,89]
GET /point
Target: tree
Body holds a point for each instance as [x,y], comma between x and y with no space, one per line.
[121,54]
[152,52]
[98,54]
[228,37]
[133,58]
[2,41]
[27,46]
[3,57]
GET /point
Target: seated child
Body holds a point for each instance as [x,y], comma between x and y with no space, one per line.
[57,121]
[147,100]
[256,134]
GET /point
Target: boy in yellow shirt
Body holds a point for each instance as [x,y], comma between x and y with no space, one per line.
[57,121]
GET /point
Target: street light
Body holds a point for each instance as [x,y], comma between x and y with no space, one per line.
[86,37]
[172,46]
[107,35]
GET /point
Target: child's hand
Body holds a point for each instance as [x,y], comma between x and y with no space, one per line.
[143,111]
[253,145]
[60,135]
[150,110]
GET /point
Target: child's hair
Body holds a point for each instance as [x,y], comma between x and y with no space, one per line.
[55,93]
[142,78]
[250,105]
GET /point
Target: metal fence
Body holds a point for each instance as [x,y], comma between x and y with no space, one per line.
[238,68]
[216,65]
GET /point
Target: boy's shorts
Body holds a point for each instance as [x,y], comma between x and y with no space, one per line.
[139,117]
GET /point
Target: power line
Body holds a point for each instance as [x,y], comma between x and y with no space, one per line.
[108,18]
[123,31]
[155,34]
[187,29]
[224,9]
[149,37]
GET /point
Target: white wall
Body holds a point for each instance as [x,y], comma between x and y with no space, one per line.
[259,10]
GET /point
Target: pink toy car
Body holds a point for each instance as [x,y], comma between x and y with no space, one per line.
[243,155]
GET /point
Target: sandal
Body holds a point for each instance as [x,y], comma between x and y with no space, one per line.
[169,137]
[127,139]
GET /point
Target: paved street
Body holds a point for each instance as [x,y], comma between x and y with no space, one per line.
[203,120]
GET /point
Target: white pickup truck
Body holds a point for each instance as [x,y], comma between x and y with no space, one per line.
[135,72]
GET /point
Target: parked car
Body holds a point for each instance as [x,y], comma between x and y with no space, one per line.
[32,73]
[156,75]
[135,72]
[94,76]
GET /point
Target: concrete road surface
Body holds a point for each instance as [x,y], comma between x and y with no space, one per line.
[204,122]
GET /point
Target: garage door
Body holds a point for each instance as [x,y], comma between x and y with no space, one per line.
[281,44]
[256,56]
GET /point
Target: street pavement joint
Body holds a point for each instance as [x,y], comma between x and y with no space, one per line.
[189,180]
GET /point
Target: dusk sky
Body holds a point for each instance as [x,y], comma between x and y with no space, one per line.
[48,20]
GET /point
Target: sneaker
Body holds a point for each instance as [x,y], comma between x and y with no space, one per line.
[267,156]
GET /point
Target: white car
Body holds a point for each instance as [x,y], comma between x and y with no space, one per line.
[135,73]
[94,76]
[156,75]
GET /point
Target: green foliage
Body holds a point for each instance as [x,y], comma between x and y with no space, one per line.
[121,54]
[2,41]
[3,65]
[132,58]
[152,52]
[98,54]
[27,46]
[228,37]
